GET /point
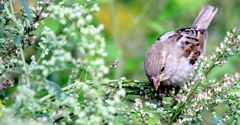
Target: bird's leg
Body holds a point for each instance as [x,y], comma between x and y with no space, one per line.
[160,98]
[162,93]
[174,94]
[158,95]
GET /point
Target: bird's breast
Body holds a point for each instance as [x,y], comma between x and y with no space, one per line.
[177,70]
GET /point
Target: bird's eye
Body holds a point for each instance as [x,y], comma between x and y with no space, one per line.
[187,42]
[162,69]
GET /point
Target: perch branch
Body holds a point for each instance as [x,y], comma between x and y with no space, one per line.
[133,84]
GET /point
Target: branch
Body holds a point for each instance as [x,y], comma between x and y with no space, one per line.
[134,85]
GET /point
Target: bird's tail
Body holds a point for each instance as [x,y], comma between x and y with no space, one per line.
[205,17]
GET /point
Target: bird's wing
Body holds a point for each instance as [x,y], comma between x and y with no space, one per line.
[192,42]
[166,36]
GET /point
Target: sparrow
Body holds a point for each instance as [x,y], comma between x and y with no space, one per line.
[171,58]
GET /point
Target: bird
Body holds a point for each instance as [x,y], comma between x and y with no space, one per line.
[170,59]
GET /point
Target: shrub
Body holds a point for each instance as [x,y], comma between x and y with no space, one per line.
[89,97]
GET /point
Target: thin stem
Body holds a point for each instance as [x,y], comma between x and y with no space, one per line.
[40,57]
[11,6]
[21,49]
[181,105]
[24,64]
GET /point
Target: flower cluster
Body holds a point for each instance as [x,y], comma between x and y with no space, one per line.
[78,47]
[55,47]
[210,93]
[211,96]
[77,26]
[16,33]
[142,115]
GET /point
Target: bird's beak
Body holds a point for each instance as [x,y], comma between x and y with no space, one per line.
[156,82]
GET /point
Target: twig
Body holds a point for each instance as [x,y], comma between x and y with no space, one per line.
[21,49]
[24,64]
[133,84]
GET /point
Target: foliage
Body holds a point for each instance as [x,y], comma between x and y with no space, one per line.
[74,46]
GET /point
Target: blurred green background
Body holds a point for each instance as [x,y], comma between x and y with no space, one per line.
[131,26]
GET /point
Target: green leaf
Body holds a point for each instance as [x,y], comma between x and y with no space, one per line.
[1,33]
[57,88]
[26,9]
[17,40]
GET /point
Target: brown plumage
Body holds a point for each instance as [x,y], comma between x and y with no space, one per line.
[170,59]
